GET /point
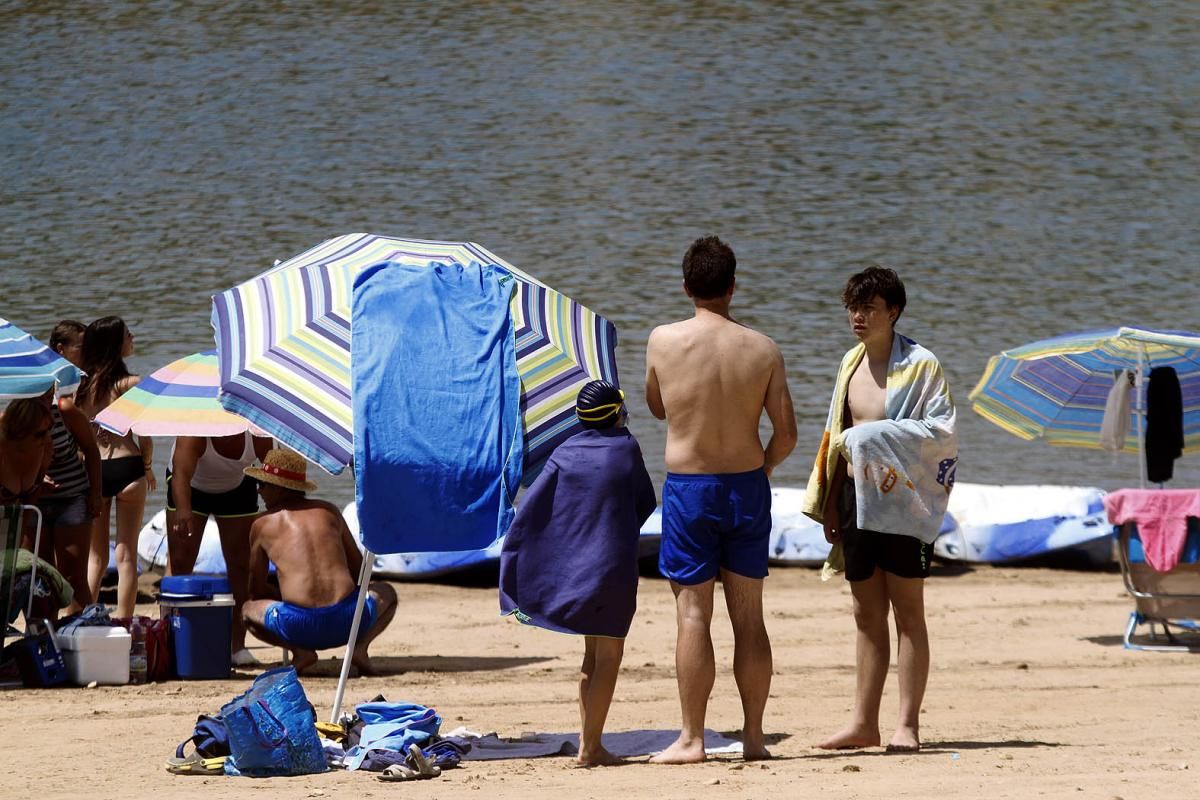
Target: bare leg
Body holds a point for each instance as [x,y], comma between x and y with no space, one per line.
[71,545]
[752,665]
[131,502]
[184,549]
[253,615]
[385,609]
[596,687]
[908,606]
[98,548]
[235,546]
[695,670]
[871,650]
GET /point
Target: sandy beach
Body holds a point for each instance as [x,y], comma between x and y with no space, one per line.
[1031,694]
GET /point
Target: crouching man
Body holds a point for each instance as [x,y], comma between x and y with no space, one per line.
[317,564]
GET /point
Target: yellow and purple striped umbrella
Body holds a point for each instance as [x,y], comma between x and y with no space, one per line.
[1056,389]
[179,399]
[283,344]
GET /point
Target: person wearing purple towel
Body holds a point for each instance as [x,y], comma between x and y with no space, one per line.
[570,558]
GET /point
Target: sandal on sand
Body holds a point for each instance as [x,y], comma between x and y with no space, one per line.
[399,772]
[418,761]
[196,764]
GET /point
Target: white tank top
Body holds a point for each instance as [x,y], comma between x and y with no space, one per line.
[215,473]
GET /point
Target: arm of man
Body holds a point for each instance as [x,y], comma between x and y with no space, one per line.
[260,587]
[653,395]
[79,426]
[262,446]
[354,559]
[778,405]
[188,450]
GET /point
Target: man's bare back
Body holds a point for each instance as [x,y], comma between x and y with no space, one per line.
[711,378]
[312,550]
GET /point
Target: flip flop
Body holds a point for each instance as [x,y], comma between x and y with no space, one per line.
[418,761]
[399,772]
[196,764]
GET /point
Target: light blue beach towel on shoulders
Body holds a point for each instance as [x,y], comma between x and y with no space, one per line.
[436,399]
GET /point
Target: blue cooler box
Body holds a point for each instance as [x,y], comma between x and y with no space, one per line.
[200,608]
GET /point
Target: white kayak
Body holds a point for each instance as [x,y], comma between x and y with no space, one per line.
[984,524]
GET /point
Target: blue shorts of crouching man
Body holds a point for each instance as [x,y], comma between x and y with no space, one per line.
[715,522]
[318,628]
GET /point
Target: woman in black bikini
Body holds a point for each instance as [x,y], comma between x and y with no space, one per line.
[126,461]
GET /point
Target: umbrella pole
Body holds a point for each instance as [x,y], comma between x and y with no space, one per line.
[1138,382]
[364,580]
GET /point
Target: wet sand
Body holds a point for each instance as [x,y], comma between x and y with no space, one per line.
[1031,694]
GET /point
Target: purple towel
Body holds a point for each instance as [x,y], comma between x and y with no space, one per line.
[569,561]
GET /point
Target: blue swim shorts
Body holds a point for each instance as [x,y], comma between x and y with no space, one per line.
[318,628]
[714,522]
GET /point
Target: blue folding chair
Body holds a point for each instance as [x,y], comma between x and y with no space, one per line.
[1166,600]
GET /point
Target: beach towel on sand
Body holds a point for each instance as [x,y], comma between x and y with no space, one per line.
[436,399]
[903,467]
[569,562]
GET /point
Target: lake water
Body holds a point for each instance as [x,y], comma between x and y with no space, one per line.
[1029,168]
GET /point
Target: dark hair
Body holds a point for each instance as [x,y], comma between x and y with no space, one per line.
[708,267]
[64,333]
[22,416]
[103,361]
[872,281]
[594,396]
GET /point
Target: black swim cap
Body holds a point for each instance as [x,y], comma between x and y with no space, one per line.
[598,405]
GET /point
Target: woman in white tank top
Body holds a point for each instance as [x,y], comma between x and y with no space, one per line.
[206,479]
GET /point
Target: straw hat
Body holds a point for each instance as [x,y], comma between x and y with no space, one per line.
[284,468]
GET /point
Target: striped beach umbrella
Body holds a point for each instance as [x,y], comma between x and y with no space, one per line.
[179,399]
[1057,389]
[283,344]
[28,368]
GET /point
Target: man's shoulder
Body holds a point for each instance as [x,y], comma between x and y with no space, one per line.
[914,352]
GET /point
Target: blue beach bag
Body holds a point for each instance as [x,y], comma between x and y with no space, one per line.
[272,729]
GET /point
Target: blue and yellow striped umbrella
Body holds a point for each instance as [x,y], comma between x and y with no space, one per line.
[28,368]
[1056,389]
[283,345]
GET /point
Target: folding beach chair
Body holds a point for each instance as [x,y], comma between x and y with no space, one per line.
[10,536]
[1170,600]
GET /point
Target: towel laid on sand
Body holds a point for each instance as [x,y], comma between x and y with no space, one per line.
[438,441]
[903,466]
[622,744]
[1161,516]
[570,559]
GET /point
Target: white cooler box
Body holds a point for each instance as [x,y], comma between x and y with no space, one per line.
[97,653]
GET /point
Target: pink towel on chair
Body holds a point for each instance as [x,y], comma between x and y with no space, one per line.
[1161,516]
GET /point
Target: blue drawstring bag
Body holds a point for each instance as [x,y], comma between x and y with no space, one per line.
[272,729]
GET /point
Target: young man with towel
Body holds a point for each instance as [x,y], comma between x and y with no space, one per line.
[880,486]
[711,378]
[317,563]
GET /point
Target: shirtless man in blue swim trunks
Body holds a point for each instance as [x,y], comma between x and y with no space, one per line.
[711,379]
[317,563]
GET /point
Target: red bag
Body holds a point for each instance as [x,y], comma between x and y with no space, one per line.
[159,666]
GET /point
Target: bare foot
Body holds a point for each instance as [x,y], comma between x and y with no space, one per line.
[363,664]
[681,752]
[597,758]
[904,740]
[851,739]
[303,659]
[755,753]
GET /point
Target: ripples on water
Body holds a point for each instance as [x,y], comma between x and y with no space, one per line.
[1029,168]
